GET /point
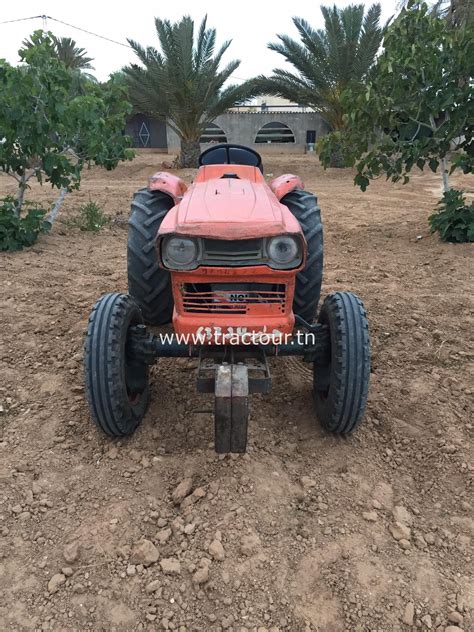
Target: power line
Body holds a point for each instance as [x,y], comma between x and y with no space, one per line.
[78,28]
[34,17]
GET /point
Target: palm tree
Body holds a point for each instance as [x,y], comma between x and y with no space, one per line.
[326,60]
[182,83]
[67,51]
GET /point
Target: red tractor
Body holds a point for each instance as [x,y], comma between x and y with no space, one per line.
[235,264]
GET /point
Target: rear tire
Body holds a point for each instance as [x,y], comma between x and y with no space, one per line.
[304,207]
[341,385]
[117,390]
[148,283]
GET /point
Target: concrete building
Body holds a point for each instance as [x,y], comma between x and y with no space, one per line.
[266,130]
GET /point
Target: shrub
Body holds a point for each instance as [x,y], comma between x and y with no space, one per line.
[455,219]
[91,217]
[334,150]
[17,231]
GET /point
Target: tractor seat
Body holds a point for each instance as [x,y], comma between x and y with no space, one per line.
[228,154]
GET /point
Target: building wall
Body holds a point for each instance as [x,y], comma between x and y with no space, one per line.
[242,128]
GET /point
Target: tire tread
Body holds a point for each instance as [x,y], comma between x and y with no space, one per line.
[103,351]
[343,409]
[304,206]
[148,283]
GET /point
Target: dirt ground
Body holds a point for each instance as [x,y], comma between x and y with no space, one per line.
[307,531]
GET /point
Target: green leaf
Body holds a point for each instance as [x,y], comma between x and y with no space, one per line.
[361,181]
[16,232]
[420,163]
[433,163]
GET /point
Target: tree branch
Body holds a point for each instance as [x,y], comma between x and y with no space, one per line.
[12,174]
[29,176]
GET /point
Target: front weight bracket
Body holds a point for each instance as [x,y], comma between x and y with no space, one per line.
[231,408]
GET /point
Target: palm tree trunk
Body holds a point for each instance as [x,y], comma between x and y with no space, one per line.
[335,118]
[189,155]
[337,159]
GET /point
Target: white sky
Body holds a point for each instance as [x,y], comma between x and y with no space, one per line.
[250,24]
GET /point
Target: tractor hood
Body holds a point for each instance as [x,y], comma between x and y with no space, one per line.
[229,208]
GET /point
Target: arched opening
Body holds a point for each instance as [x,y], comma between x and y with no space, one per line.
[213,134]
[275,133]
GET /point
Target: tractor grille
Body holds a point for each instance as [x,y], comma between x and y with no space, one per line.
[233,298]
[220,252]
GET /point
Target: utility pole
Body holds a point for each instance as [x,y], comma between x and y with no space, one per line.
[45,22]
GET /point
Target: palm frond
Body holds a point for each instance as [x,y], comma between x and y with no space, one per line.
[369,42]
[73,56]
[205,44]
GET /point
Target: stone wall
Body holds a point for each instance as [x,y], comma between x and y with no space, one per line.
[243,127]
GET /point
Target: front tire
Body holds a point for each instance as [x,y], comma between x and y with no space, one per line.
[304,207]
[148,284]
[117,389]
[341,385]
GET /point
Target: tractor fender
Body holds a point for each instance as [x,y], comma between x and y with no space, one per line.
[168,183]
[284,184]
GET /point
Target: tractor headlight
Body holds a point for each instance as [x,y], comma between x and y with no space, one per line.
[284,251]
[179,253]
